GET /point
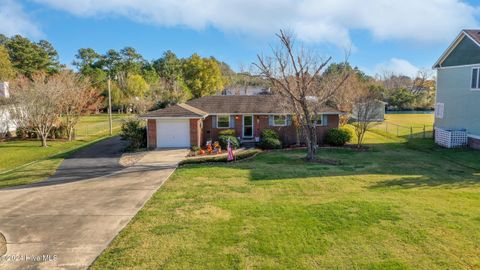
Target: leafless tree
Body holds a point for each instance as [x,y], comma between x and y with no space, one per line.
[77,98]
[365,108]
[295,74]
[36,103]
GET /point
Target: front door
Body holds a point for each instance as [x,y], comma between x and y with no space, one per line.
[248,126]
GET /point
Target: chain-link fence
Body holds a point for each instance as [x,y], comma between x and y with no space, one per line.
[409,132]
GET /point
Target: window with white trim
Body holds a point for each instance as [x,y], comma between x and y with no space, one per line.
[279,120]
[318,120]
[223,121]
[475,83]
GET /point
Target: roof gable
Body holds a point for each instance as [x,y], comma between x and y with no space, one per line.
[465,50]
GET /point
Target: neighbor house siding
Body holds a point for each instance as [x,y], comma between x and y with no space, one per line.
[466,53]
[461,105]
[152,133]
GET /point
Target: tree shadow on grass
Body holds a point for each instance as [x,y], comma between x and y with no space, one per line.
[407,166]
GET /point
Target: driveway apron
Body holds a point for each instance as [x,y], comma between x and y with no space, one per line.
[66,223]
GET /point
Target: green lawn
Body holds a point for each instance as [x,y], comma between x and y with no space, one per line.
[406,124]
[401,205]
[16,153]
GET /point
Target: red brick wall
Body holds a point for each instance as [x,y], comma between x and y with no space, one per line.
[196,132]
[287,134]
[474,143]
[152,133]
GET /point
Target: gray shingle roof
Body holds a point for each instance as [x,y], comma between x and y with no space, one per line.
[263,104]
[178,110]
[474,34]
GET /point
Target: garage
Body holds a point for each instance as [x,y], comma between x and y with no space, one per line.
[173,133]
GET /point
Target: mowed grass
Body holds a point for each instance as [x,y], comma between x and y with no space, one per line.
[401,205]
[41,162]
[416,125]
[416,120]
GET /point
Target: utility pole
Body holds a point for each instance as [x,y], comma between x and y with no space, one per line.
[110,106]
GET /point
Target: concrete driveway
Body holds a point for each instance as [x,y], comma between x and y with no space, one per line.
[66,225]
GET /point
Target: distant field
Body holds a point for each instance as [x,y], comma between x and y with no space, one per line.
[407,124]
[410,119]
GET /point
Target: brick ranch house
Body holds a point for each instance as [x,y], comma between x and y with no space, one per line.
[199,120]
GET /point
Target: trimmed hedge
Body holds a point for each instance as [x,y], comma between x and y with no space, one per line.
[227,132]
[269,133]
[210,159]
[338,136]
[270,143]
[269,139]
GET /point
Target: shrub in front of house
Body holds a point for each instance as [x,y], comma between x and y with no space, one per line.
[269,139]
[135,132]
[269,133]
[338,136]
[227,132]
[223,140]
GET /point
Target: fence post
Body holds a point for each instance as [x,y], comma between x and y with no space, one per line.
[397,131]
[386,127]
[424,134]
[411,132]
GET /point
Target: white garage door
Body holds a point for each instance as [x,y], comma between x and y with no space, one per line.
[173,133]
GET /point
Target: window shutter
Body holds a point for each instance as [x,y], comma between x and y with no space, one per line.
[232,121]
[325,120]
[214,121]
[289,120]
[270,120]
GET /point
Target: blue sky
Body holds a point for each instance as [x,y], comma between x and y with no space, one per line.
[395,36]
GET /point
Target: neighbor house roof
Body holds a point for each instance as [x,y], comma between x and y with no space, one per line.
[472,34]
[200,107]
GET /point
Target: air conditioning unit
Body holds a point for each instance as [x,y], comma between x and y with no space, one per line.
[451,138]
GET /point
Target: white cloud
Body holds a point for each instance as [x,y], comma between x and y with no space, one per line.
[312,20]
[13,20]
[397,66]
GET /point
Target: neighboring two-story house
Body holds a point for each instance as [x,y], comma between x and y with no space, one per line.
[458,86]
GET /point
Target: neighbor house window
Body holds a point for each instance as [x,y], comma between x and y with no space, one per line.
[475,85]
[318,120]
[279,120]
[223,121]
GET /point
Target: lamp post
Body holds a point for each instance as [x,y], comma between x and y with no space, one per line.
[110,106]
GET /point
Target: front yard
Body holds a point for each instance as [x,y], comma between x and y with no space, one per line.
[398,206]
[24,161]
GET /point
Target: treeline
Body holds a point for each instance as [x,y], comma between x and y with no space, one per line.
[139,85]
[399,92]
